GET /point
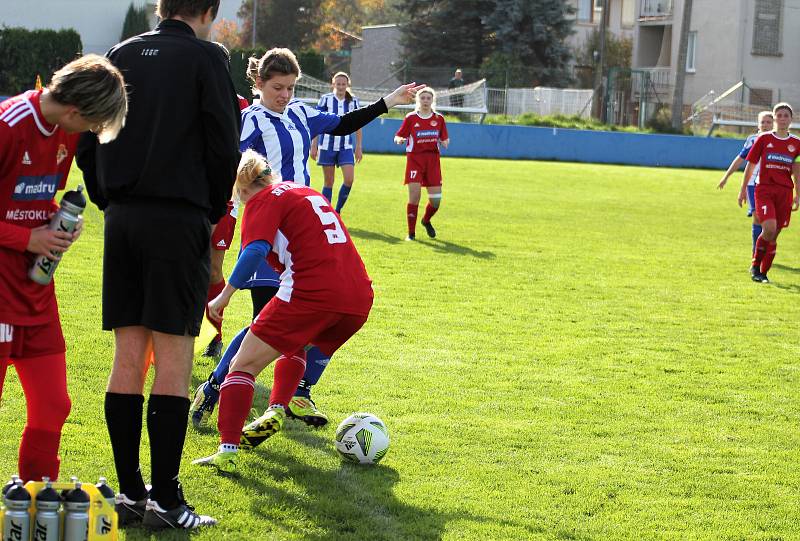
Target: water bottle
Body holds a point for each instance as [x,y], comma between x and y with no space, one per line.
[11,483]
[76,514]
[66,219]
[105,521]
[47,524]
[17,522]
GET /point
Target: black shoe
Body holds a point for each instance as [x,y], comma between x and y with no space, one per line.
[411,237]
[754,270]
[129,512]
[760,277]
[213,349]
[182,517]
[429,229]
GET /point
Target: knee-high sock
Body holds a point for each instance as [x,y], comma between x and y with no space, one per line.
[756,234]
[430,210]
[411,216]
[235,400]
[344,193]
[760,251]
[316,363]
[124,422]
[44,382]
[213,291]
[224,363]
[288,373]
[769,256]
[167,417]
[327,192]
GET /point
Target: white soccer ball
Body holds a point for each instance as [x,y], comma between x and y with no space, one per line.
[362,438]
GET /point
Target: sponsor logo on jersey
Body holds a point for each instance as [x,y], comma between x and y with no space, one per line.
[26,160]
[427,133]
[6,333]
[61,154]
[19,215]
[776,157]
[791,148]
[221,244]
[36,188]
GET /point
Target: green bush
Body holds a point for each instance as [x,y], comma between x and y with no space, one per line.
[28,53]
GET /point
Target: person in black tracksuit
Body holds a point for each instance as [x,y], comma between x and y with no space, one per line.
[161,184]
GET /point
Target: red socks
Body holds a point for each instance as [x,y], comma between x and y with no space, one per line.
[764,254]
[758,253]
[411,216]
[430,210]
[213,291]
[38,454]
[766,263]
[235,400]
[288,373]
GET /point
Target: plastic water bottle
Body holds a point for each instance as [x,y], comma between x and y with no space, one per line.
[47,525]
[105,521]
[76,514]
[66,219]
[11,483]
[17,522]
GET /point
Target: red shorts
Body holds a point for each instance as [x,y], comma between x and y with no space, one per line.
[423,168]
[222,236]
[289,328]
[774,203]
[27,342]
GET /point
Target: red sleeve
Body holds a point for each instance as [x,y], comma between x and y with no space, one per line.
[443,131]
[14,237]
[405,128]
[243,103]
[261,220]
[755,151]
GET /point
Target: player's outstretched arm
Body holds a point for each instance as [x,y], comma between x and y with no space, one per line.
[734,166]
[246,266]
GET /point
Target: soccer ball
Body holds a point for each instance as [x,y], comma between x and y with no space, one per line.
[362,438]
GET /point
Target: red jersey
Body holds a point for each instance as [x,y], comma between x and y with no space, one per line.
[35,158]
[312,252]
[423,134]
[775,157]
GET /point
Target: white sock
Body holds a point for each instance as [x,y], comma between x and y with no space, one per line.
[228,448]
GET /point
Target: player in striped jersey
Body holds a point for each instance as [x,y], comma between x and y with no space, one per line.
[281,129]
[331,150]
[765,121]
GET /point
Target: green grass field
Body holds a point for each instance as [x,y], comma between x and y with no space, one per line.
[580,355]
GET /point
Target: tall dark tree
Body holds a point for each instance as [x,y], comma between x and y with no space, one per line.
[534,32]
[281,23]
[136,22]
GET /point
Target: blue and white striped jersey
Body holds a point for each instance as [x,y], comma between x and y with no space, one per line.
[743,154]
[285,139]
[331,104]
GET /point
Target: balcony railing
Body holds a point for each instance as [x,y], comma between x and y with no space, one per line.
[661,77]
[655,10]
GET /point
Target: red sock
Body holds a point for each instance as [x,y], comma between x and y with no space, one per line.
[411,216]
[760,251]
[235,400]
[38,454]
[288,373]
[766,263]
[430,210]
[213,291]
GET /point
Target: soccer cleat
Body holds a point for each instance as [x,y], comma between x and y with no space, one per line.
[129,512]
[205,398]
[182,517]
[262,428]
[225,462]
[760,277]
[754,270]
[305,410]
[429,229]
[213,349]
[411,237]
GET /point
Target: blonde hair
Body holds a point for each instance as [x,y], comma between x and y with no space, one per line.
[94,86]
[430,91]
[253,169]
[277,61]
[348,95]
[764,114]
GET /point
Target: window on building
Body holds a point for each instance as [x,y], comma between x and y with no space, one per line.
[761,97]
[585,11]
[628,12]
[767,27]
[691,50]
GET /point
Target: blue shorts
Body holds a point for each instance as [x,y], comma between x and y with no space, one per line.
[336,157]
[751,199]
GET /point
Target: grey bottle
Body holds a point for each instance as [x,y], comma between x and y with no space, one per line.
[76,514]
[66,219]
[17,521]
[47,523]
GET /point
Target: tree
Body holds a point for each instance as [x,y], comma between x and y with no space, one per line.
[136,22]
[680,69]
[281,23]
[535,33]
[618,53]
[227,33]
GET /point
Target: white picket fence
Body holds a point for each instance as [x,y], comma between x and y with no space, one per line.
[541,100]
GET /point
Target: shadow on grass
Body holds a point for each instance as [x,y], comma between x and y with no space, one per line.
[370,235]
[791,288]
[793,270]
[457,249]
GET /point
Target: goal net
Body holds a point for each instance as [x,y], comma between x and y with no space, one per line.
[467,101]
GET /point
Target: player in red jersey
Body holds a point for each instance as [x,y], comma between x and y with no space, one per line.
[422,132]
[221,238]
[38,136]
[777,156]
[324,298]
